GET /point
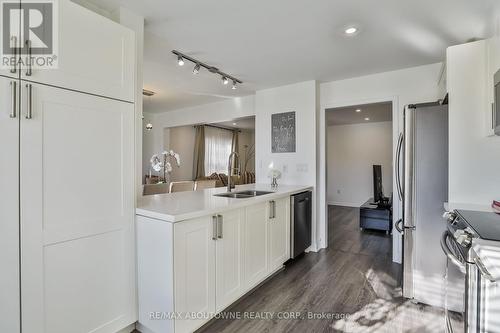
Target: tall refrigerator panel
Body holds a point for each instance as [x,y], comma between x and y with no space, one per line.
[425,190]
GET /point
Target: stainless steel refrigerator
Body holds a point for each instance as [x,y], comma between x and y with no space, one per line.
[422,181]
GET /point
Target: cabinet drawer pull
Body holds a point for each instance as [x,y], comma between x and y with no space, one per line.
[13,40]
[13,100]
[28,46]
[214,227]
[220,223]
[29,101]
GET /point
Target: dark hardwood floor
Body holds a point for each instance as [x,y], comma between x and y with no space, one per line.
[352,286]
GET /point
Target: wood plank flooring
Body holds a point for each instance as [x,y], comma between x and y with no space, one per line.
[352,286]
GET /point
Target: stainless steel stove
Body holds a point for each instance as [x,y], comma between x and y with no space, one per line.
[466,232]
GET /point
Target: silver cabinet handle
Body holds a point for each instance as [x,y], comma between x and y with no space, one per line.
[13,40]
[220,223]
[272,209]
[29,101]
[493,116]
[214,227]
[13,101]
[448,252]
[483,270]
[28,46]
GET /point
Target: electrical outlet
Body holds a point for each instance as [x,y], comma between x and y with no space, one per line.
[285,168]
[338,191]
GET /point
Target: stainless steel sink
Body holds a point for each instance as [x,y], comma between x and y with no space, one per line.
[242,194]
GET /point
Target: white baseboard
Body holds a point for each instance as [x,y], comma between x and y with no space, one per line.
[345,204]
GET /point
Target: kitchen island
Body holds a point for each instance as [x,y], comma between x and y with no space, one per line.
[199,252]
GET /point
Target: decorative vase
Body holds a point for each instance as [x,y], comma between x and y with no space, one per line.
[274,182]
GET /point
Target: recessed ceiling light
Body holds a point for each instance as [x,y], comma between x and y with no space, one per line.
[358,110]
[367,118]
[351,30]
[225,80]
[234,124]
[234,85]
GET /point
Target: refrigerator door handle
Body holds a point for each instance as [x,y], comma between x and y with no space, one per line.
[397,226]
[398,166]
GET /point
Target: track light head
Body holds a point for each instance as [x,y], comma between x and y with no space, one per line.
[225,80]
[196,69]
[180,61]
[234,85]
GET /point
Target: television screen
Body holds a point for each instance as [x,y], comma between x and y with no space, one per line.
[377,183]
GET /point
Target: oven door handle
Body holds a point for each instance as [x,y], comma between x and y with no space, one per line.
[449,254]
[484,270]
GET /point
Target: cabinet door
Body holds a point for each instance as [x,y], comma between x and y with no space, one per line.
[11,59]
[77,212]
[194,271]
[492,66]
[279,233]
[255,244]
[95,55]
[229,259]
[9,206]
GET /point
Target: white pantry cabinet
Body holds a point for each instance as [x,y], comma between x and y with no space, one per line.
[229,258]
[9,206]
[95,55]
[212,262]
[278,233]
[77,211]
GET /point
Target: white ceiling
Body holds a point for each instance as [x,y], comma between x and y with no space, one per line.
[376,112]
[246,123]
[270,43]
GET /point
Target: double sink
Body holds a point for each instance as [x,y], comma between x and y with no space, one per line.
[242,194]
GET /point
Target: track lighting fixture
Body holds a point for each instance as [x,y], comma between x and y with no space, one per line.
[196,69]
[181,58]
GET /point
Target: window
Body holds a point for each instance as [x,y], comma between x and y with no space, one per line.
[218,146]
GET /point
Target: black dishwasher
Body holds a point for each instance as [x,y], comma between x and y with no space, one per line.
[300,228]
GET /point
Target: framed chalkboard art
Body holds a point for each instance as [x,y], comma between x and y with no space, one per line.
[283,132]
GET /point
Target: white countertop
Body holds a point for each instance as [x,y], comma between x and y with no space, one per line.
[450,206]
[179,206]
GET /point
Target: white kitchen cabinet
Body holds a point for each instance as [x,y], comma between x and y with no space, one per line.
[77,211]
[279,233]
[9,206]
[256,248]
[194,271]
[492,66]
[95,55]
[229,258]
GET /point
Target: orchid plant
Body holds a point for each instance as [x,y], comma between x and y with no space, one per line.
[274,174]
[161,162]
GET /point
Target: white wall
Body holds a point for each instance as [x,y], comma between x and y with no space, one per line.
[182,142]
[298,167]
[406,86]
[352,150]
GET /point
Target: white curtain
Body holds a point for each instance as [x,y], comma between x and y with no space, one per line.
[218,144]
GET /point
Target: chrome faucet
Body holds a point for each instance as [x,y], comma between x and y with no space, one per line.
[230,168]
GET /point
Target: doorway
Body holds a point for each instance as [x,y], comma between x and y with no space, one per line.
[359,178]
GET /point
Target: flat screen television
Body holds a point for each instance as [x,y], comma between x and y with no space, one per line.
[378,193]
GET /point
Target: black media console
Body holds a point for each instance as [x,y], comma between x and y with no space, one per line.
[374,216]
